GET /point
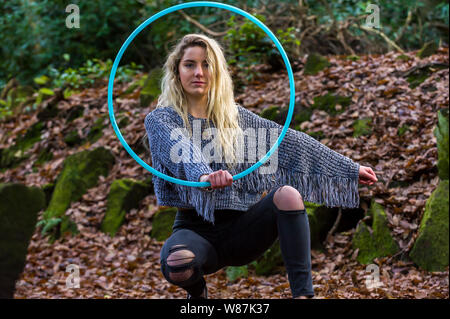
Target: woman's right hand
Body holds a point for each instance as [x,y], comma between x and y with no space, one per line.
[218,179]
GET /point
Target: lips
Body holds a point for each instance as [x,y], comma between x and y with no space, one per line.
[198,82]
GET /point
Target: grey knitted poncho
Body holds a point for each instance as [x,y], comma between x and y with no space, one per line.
[320,174]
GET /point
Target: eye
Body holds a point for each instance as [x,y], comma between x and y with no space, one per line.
[188,65]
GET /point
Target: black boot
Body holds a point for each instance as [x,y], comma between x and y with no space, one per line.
[204,294]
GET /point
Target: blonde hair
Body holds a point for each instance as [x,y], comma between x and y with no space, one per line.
[221,107]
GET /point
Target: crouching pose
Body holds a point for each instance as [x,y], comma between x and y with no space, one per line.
[232,223]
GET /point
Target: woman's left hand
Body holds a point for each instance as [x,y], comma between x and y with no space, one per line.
[366,175]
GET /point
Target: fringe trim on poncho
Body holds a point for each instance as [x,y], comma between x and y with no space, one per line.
[331,191]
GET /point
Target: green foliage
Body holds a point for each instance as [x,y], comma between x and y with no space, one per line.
[91,71]
[35,35]
[70,79]
[315,63]
[236,272]
[429,19]
[248,45]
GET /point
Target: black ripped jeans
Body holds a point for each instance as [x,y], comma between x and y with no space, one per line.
[238,238]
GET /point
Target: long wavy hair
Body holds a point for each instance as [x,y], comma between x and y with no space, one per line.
[221,106]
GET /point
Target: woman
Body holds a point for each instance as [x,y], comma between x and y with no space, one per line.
[232,223]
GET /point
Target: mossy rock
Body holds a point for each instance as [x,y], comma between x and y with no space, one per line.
[162,223]
[79,173]
[32,136]
[441,133]
[352,58]
[73,113]
[49,112]
[321,219]
[73,138]
[315,63]
[428,49]
[269,261]
[19,209]
[329,101]
[419,75]
[303,115]
[48,191]
[14,155]
[431,248]
[124,122]
[44,156]
[271,113]
[152,87]
[375,241]
[279,115]
[96,130]
[124,195]
[362,127]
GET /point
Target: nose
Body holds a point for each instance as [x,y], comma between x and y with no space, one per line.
[198,71]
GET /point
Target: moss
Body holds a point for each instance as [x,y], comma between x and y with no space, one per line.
[14,155]
[44,156]
[402,130]
[80,172]
[403,57]
[384,242]
[416,79]
[317,135]
[362,127]
[96,130]
[376,241]
[124,122]
[152,88]
[74,113]
[329,101]
[272,258]
[49,112]
[363,241]
[162,223]
[270,113]
[235,272]
[421,74]
[303,115]
[72,138]
[19,208]
[428,49]
[431,248]
[315,63]
[441,133]
[352,58]
[124,195]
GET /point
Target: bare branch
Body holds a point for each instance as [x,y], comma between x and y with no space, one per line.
[384,36]
[201,26]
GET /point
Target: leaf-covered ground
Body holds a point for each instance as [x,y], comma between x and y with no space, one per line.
[127,266]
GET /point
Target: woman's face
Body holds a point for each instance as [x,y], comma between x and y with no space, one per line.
[194,73]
